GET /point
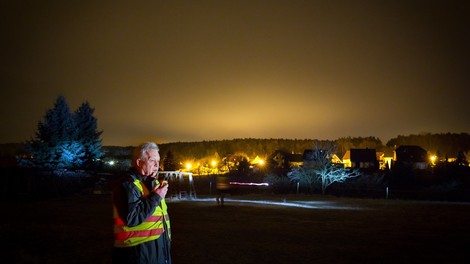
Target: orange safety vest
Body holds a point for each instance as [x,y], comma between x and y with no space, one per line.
[150,229]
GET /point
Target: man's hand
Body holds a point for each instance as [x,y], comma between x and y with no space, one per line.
[161,190]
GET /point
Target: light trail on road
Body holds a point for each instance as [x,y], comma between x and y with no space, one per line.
[297,204]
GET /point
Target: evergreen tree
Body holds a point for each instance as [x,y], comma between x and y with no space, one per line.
[47,147]
[88,135]
[169,163]
[65,140]
[71,154]
[243,167]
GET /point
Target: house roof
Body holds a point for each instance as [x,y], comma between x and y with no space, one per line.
[388,152]
[411,153]
[256,160]
[363,155]
[294,157]
[379,154]
[314,154]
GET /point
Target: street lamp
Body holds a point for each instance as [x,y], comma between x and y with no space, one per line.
[214,165]
[188,166]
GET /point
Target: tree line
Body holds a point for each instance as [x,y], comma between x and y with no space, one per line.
[443,144]
[449,144]
[66,139]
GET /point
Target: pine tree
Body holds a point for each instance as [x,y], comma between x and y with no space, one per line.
[66,140]
[88,135]
[57,127]
[71,155]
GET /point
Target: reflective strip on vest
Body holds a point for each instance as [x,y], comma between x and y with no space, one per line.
[150,229]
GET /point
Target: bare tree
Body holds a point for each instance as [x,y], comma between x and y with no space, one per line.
[307,178]
[330,173]
[318,161]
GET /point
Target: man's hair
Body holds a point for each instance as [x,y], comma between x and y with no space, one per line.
[140,152]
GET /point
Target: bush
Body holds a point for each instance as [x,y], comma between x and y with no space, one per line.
[278,184]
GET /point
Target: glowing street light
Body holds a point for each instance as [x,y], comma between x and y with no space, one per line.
[214,166]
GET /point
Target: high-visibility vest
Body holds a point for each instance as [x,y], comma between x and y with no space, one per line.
[150,229]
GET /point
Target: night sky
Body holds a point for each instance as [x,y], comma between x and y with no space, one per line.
[209,70]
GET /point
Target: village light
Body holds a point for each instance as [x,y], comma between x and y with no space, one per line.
[260,162]
[188,166]
[433,159]
[214,163]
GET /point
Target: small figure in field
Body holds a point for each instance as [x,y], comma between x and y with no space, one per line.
[222,186]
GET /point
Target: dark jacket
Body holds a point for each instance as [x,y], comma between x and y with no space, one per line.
[134,210]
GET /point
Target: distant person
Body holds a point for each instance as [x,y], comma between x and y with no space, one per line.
[222,186]
[141,222]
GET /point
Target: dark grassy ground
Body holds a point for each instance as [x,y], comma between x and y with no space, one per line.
[78,229]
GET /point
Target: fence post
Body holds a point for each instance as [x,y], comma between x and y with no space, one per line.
[386,192]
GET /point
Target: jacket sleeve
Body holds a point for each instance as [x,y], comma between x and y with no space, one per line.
[138,208]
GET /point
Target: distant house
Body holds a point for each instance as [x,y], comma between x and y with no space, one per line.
[335,159]
[415,156]
[256,161]
[295,160]
[385,158]
[316,157]
[311,158]
[347,159]
[291,159]
[360,159]
[279,159]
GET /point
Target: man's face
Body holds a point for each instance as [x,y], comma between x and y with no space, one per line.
[148,166]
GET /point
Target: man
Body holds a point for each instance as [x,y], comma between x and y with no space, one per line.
[141,222]
[223,187]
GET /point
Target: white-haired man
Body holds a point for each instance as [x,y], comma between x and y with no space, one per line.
[141,222]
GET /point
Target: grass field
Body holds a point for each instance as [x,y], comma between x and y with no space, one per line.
[326,229]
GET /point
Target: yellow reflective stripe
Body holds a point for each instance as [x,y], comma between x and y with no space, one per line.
[126,236]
